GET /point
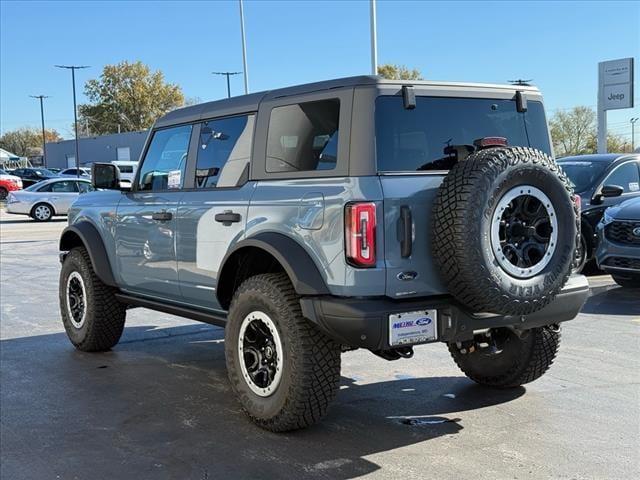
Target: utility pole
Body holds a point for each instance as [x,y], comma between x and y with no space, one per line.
[374,38]
[73,69]
[244,50]
[227,74]
[633,132]
[44,138]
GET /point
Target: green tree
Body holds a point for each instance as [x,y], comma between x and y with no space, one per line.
[573,132]
[129,96]
[398,72]
[26,140]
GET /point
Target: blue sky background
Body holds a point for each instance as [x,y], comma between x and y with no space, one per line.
[558,44]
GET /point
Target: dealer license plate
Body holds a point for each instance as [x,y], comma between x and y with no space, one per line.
[413,327]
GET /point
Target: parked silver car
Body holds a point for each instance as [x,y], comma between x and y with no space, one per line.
[48,198]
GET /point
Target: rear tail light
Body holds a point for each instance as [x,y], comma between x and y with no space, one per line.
[360,231]
[487,142]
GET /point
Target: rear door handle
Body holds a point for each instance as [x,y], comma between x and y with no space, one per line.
[227,218]
[162,216]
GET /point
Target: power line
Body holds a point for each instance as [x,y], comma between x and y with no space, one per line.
[73,69]
[227,74]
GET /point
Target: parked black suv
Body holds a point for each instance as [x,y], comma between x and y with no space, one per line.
[601,180]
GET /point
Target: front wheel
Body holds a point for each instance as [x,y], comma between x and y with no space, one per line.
[507,359]
[284,370]
[92,316]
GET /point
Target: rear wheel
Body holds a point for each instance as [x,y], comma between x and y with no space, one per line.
[627,281]
[508,359]
[42,212]
[92,316]
[284,371]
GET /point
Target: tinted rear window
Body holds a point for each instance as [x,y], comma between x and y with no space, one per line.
[441,130]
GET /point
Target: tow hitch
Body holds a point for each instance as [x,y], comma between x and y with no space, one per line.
[396,353]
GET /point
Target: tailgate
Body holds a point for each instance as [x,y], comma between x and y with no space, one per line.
[415,274]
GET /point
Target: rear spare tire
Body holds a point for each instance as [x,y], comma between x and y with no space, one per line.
[505,229]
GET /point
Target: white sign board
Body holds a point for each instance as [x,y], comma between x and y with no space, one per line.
[616,84]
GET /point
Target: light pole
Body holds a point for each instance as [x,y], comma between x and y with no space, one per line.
[227,74]
[633,132]
[44,138]
[73,69]
[374,38]
[244,50]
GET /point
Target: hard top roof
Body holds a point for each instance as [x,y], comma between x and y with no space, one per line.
[249,103]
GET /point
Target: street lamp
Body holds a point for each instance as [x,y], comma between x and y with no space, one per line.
[44,138]
[73,69]
[374,37]
[633,132]
[244,49]
[227,74]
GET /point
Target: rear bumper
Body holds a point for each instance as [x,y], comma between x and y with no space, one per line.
[364,322]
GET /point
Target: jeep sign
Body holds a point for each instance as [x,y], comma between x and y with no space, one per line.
[616,84]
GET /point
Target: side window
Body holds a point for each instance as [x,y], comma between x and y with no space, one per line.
[224,151]
[164,164]
[625,176]
[303,137]
[45,188]
[85,187]
[64,187]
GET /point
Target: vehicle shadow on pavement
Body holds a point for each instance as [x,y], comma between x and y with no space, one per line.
[160,406]
[614,301]
[25,219]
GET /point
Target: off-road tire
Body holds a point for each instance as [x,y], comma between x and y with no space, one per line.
[42,204]
[311,360]
[461,233]
[630,281]
[105,315]
[523,360]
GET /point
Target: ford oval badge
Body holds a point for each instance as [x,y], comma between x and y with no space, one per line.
[406,276]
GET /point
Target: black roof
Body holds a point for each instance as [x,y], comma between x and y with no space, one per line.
[249,103]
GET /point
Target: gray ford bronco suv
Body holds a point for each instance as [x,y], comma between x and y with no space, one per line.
[316,219]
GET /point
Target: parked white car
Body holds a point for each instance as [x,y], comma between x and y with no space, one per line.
[48,198]
[128,171]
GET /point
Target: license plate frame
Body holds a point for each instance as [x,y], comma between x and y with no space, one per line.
[411,328]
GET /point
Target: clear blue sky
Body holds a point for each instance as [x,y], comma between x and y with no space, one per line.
[556,44]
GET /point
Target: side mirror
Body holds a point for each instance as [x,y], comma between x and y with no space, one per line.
[105,176]
[609,191]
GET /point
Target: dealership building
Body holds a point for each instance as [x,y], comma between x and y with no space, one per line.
[106,148]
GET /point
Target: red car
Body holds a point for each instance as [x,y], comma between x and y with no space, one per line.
[8,183]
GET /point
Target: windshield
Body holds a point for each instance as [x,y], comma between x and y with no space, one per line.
[43,172]
[583,175]
[442,130]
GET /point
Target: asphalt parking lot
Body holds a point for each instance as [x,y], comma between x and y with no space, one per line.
[159,405]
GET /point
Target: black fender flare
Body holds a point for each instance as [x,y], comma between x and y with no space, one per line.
[90,238]
[295,260]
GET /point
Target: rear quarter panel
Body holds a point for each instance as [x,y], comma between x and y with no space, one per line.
[311,212]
